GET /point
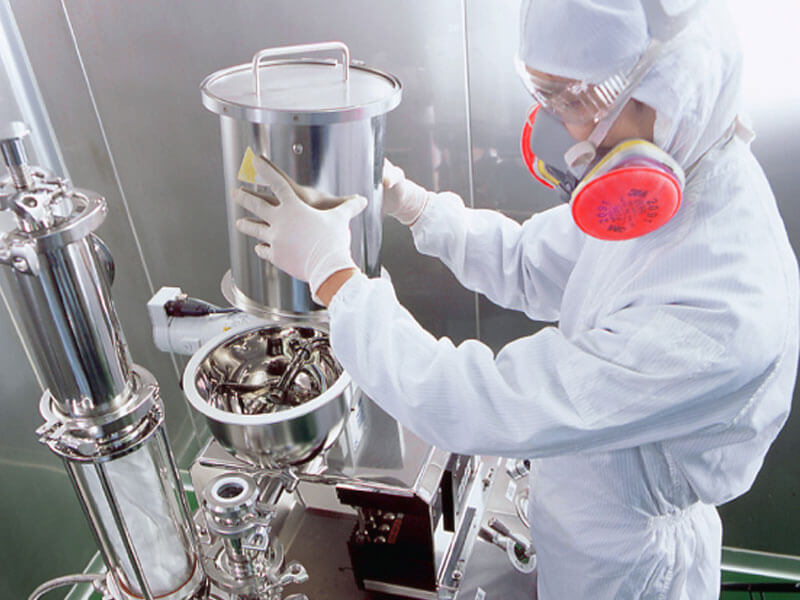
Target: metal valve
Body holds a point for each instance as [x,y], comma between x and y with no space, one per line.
[518,548]
[37,197]
[241,556]
[517,469]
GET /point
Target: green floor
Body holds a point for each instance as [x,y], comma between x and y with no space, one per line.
[728,577]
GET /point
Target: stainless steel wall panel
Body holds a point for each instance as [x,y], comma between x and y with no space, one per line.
[499,106]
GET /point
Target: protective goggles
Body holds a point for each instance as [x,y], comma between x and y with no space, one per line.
[571,100]
[631,191]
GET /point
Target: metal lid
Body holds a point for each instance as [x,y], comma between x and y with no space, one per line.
[300,91]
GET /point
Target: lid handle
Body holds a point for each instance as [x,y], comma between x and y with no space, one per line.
[298,49]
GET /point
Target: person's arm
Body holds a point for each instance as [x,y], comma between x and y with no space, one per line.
[640,375]
[522,267]
[332,284]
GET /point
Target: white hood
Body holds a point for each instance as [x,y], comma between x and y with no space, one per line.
[694,86]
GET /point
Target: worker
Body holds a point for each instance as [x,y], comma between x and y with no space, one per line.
[671,367]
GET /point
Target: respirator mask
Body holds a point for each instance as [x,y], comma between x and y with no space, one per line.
[635,187]
[632,190]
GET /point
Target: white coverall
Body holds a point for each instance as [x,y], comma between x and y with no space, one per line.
[655,397]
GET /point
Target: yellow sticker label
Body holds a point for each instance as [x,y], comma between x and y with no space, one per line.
[247,171]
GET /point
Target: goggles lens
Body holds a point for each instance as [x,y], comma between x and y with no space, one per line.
[570,100]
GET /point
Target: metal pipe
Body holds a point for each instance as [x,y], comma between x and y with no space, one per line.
[100,534]
[322,478]
[13,152]
[186,512]
[58,582]
[62,301]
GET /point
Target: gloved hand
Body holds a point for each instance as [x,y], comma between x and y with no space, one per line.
[308,243]
[402,199]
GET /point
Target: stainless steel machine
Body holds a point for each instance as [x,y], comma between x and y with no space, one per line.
[409,513]
[322,121]
[103,415]
[307,488]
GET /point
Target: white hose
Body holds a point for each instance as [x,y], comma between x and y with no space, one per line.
[49,586]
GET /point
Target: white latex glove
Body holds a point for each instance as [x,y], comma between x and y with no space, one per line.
[308,243]
[402,199]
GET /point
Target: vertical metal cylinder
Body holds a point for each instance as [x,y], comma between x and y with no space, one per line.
[102,415]
[58,289]
[13,153]
[323,123]
[134,505]
[338,159]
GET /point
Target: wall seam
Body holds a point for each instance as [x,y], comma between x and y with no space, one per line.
[470,169]
[114,169]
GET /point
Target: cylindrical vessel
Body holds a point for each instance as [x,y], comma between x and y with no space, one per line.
[320,121]
[148,504]
[102,414]
[58,289]
[131,494]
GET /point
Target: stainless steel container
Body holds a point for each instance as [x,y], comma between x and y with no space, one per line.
[322,122]
[124,473]
[57,287]
[247,356]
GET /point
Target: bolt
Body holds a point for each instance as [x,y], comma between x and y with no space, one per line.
[20,264]
[457,575]
[297,148]
[30,201]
